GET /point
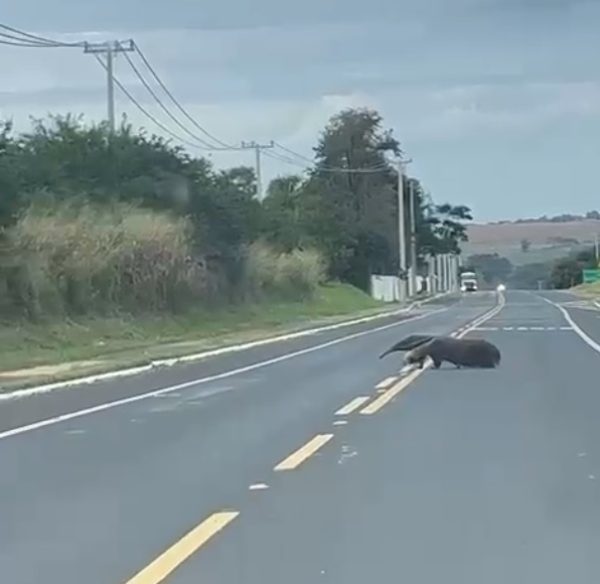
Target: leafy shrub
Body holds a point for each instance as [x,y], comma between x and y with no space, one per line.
[293,276]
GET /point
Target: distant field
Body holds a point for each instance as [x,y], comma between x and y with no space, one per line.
[505,239]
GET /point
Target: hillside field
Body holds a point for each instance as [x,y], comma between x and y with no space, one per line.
[505,239]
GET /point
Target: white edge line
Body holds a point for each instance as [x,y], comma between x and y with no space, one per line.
[582,334]
[484,318]
[39,389]
[224,375]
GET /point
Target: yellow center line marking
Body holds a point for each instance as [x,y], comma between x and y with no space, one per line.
[174,556]
[352,405]
[391,393]
[295,459]
[384,384]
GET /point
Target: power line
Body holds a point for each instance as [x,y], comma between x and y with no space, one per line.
[289,151]
[287,159]
[25,39]
[28,45]
[40,40]
[144,110]
[333,169]
[365,170]
[177,103]
[204,143]
[22,41]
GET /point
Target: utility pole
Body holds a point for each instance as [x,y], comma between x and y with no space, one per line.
[413,237]
[596,250]
[109,49]
[401,234]
[257,150]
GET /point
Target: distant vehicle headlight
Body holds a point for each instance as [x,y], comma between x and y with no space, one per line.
[501,288]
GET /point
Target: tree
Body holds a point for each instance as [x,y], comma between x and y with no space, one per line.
[445,227]
[282,221]
[493,268]
[568,271]
[529,276]
[351,214]
[348,214]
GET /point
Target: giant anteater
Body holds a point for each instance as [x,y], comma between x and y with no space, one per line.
[459,352]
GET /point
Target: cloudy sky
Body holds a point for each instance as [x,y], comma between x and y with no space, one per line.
[496,101]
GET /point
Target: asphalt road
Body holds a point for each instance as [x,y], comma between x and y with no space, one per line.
[258,476]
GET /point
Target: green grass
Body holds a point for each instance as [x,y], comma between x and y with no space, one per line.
[119,342]
[588,290]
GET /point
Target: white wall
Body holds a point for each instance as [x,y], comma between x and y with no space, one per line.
[387,288]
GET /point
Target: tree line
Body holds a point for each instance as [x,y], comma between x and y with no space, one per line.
[91,219]
[560,273]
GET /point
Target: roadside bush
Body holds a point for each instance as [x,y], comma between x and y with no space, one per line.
[86,259]
[291,276]
[80,259]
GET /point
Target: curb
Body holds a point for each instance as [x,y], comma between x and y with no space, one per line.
[170,362]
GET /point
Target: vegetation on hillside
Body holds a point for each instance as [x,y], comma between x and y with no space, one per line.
[564,218]
[561,273]
[99,224]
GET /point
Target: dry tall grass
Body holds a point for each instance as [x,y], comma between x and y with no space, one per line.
[85,259]
[293,276]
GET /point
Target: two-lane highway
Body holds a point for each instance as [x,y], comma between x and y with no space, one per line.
[274,466]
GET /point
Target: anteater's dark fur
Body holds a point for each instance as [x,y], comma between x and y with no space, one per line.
[459,352]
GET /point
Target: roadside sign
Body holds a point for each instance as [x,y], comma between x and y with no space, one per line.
[591,276]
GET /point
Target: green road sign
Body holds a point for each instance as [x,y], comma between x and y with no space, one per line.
[590,276]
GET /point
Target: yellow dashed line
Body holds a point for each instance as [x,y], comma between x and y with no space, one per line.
[352,405]
[173,557]
[295,459]
[385,383]
[391,393]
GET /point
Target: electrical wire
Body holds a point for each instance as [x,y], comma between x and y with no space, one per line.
[27,45]
[144,110]
[365,170]
[177,103]
[204,144]
[37,40]
[23,39]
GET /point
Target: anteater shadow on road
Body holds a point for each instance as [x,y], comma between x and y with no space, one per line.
[473,353]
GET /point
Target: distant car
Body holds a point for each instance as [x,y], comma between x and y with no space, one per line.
[469,287]
[501,288]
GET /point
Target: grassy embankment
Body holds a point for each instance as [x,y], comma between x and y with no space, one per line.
[66,348]
[591,291]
